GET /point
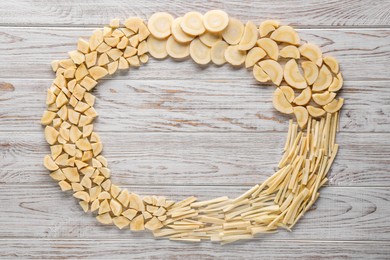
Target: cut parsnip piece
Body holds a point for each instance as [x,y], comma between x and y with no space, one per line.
[270,47]
[97,72]
[157,48]
[137,223]
[324,98]
[253,56]
[51,135]
[332,63]
[259,74]
[176,49]
[334,106]
[133,23]
[209,38]
[293,76]
[143,32]
[233,32]
[77,56]
[159,25]
[268,26]
[218,53]
[249,37]
[234,55]
[199,52]
[315,111]
[49,163]
[324,79]
[286,34]
[301,115]
[48,117]
[215,21]
[105,218]
[288,93]
[337,83]
[281,103]
[192,23]
[290,51]
[121,222]
[310,71]
[178,33]
[304,97]
[311,52]
[273,69]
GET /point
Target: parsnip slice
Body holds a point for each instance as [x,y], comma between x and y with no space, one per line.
[253,56]
[215,20]
[192,23]
[310,71]
[293,76]
[273,69]
[157,47]
[249,37]
[281,103]
[233,32]
[323,98]
[303,98]
[218,53]
[311,52]
[199,52]
[159,25]
[178,33]
[290,51]
[176,49]
[286,34]
[270,47]
[268,26]
[301,115]
[234,55]
[324,79]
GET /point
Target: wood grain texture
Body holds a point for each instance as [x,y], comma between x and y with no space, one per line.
[299,13]
[29,51]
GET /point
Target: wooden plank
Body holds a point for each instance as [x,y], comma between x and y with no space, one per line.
[198,158]
[352,214]
[307,13]
[149,249]
[191,106]
[27,53]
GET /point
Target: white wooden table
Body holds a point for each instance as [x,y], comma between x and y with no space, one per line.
[176,129]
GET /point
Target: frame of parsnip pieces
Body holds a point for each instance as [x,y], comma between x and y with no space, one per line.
[306,86]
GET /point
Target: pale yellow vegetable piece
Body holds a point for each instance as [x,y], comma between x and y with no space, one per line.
[137,223]
[315,111]
[64,185]
[153,224]
[192,23]
[121,222]
[178,33]
[55,150]
[337,83]
[259,74]
[286,34]
[144,58]
[281,103]
[310,71]
[115,23]
[215,20]
[47,117]
[273,69]
[77,56]
[290,51]
[332,63]
[334,106]
[233,32]
[249,37]
[323,98]
[143,32]
[159,25]
[304,97]
[288,93]
[176,49]
[157,48]
[105,218]
[97,72]
[301,115]
[218,52]
[270,47]
[268,26]
[293,76]
[234,55]
[199,52]
[253,56]
[133,23]
[311,52]
[324,80]
[209,38]
[49,163]
[51,135]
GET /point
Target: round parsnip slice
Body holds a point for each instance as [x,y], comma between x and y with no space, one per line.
[304,97]
[288,93]
[286,34]
[311,52]
[290,51]
[200,52]
[332,63]
[209,38]
[324,98]
[281,103]
[259,74]
[337,83]
[233,32]
[234,55]
[334,106]
[192,23]
[159,25]
[249,37]
[293,76]
[315,111]
[310,71]
[218,52]
[176,49]
[273,69]
[215,20]
[270,47]
[268,26]
[324,79]
[302,116]
[253,56]
[178,33]
[157,47]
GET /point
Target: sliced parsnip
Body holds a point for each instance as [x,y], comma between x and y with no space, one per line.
[286,34]
[315,111]
[334,106]
[176,49]
[249,37]
[234,55]
[233,32]
[303,98]
[301,115]
[157,48]
[332,63]
[178,33]
[218,52]
[288,93]
[268,26]
[337,83]
[192,23]
[215,21]
[311,52]
[310,71]
[290,51]
[273,69]
[293,76]
[159,25]
[270,47]
[199,52]
[254,56]
[259,74]
[323,80]
[209,38]
[323,98]
[281,103]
